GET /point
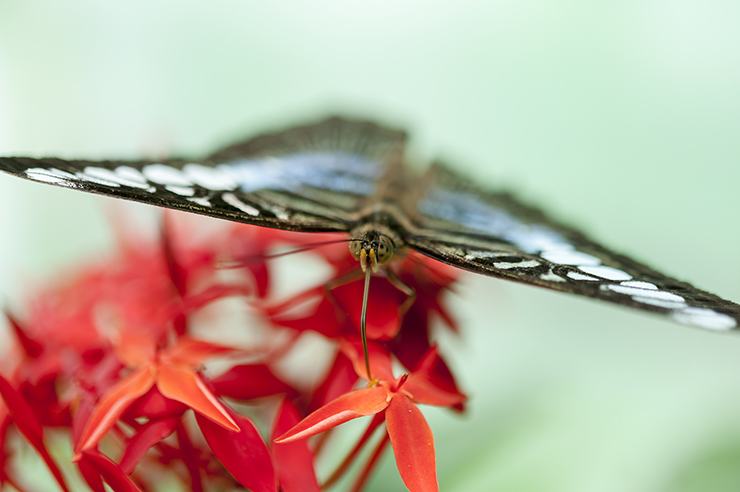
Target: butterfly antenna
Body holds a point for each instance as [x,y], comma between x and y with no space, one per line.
[307,247]
[363,324]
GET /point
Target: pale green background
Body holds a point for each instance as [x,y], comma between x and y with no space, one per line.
[622,117]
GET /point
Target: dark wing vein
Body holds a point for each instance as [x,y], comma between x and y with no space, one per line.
[495,234]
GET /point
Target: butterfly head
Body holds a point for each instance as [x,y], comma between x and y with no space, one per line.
[373,245]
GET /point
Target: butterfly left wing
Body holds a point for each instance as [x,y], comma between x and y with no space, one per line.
[497,235]
[307,178]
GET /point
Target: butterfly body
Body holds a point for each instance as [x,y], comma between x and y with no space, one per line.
[345,175]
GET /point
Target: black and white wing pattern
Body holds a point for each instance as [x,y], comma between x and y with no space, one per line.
[496,235]
[309,178]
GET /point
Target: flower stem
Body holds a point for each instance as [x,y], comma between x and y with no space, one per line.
[365,474]
[378,419]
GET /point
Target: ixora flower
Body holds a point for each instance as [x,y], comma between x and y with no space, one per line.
[394,401]
[121,357]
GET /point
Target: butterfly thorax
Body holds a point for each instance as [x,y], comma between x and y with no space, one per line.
[374,244]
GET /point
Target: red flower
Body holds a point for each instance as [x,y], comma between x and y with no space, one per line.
[396,399]
[174,372]
[113,351]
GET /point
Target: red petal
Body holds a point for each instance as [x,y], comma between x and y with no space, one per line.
[90,475]
[25,420]
[185,385]
[383,316]
[154,406]
[321,319]
[135,347]
[243,453]
[111,473]
[146,437]
[412,342]
[31,347]
[190,457]
[293,461]
[413,444]
[350,406]
[433,383]
[261,276]
[192,352]
[212,293]
[250,381]
[339,379]
[381,365]
[178,275]
[112,405]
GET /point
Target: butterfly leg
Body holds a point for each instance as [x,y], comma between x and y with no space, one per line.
[334,283]
[405,288]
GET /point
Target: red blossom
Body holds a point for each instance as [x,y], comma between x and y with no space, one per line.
[174,372]
[113,350]
[410,435]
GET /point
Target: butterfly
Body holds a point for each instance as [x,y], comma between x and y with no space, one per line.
[350,175]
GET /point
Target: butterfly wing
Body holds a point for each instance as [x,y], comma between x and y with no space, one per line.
[307,178]
[497,235]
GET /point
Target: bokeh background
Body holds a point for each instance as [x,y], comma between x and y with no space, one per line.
[622,117]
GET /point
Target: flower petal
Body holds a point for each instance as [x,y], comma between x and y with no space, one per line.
[349,406]
[294,460]
[110,407]
[321,318]
[244,454]
[192,352]
[146,437]
[185,385]
[32,348]
[413,444]
[381,365]
[432,383]
[111,473]
[21,413]
[154,406]
[339,379]
[135,347]
[250,381]
[383,315]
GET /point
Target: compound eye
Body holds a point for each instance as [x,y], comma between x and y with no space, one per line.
[384,251]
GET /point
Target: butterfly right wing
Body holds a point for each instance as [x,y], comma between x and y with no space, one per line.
[307,178]
[496,234]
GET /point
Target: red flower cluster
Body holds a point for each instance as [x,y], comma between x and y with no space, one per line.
[115,357]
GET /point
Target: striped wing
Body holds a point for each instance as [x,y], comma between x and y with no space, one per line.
[496,235]
[307,178]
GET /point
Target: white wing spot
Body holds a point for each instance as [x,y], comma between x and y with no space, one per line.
[50,175]
[640,285]
[165,175]
[705,318]
[570,257]
[522,264]
[279,212]
[606,272]
[476,254]
[209,177]
[660,302]
[107,177]
[201,200]
[130,174]
[646,293]
[551,277]
[235,202]
[181,190]
[580,276]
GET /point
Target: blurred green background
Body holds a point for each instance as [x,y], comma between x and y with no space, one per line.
[621,117]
